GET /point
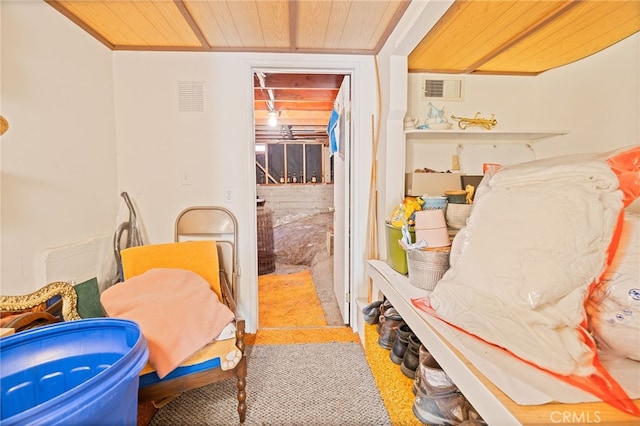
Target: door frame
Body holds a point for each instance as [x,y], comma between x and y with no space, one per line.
[350,71]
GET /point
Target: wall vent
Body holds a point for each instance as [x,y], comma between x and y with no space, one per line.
[191,96]
[443,89]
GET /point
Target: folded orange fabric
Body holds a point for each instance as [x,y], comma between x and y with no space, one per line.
[175,309]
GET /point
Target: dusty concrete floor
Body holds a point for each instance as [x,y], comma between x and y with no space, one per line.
[301,244]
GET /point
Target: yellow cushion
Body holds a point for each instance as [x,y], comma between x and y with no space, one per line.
[200,257]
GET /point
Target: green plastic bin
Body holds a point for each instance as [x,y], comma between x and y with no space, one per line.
[396,256]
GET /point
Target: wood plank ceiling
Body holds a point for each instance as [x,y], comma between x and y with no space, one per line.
[522,37]
[501,37]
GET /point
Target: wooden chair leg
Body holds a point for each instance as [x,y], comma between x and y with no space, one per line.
[241,384]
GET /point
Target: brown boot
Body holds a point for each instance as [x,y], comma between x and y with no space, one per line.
[410,360]
[438,400]
[422,355]
[391,320]
[381,310]
[400,344]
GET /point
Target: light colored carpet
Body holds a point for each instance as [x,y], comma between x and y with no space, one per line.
[320,384]
[301,371]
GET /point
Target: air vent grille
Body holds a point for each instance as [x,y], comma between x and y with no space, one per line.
[443,90]
[191,96]
[433,88]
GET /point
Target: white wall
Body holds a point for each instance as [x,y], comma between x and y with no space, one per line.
[597,99]
[156,143]
[58,157]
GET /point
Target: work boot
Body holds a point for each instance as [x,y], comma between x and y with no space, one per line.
[391,320]
[400,344]
[371,312]
[422,355]
[410,359]
[433,379]
[446,409]
[438,400]
[381,310]
[439,409]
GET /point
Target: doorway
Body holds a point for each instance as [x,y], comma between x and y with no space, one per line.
[295,178]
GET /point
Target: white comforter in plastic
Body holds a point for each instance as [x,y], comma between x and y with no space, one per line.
[536,239]
[614,308]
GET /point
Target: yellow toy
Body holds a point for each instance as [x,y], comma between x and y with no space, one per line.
[404,212]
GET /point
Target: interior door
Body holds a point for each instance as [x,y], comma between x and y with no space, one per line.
[341,196]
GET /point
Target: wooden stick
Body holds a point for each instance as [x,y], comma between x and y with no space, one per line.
[372,218]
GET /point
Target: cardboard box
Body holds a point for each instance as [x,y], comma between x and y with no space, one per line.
[417,184]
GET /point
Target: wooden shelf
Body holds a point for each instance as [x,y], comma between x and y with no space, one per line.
[492,404]
[481,136]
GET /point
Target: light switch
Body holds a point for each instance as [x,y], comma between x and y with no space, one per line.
[455,163]
[185,178]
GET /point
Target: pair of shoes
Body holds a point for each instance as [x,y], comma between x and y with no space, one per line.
[389,323]
[401,343]
[438,400]
[410,360]
[372,312]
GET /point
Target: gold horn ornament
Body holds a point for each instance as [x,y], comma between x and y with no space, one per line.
[487,123]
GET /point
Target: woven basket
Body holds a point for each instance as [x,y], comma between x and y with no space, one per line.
[426,267]
[457,214]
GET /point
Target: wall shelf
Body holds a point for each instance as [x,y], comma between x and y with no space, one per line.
[481,136]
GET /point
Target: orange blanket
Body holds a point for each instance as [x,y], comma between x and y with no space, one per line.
[176,310]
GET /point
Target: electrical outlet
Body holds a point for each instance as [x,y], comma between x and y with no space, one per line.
[228,195]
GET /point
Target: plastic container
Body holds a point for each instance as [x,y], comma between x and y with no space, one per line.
[458,196]
[81,372]
[430,219]
[396,256]
[438,237]
[434,202]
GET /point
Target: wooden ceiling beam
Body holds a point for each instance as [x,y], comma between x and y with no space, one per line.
[192,24]
[297,106]
[301,81]
[293,27]
[293,95]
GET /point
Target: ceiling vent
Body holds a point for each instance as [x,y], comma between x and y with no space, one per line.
[443,90]
[191,96]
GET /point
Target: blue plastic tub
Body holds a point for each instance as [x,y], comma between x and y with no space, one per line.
[81,372]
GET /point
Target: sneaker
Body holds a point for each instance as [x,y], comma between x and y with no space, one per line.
[371,312]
